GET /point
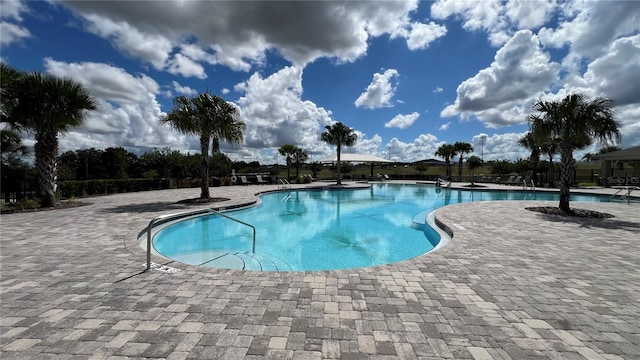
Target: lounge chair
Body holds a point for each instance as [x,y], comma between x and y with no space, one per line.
[516,181]
[510,180]
[260,180]
[243,180]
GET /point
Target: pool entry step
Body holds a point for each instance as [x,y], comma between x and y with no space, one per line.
[247,260]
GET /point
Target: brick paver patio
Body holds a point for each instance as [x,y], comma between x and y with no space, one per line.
[512,284]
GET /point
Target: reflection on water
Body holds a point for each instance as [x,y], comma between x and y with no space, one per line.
[329,229]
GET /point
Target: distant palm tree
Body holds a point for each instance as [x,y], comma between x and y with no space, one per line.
[588,157]
[288,151]
[473,162]
[461,148]
[299,157]
[528,141]
[573,122]
[549,148]
[339,135]
[212,119]
[47,106]
[447,152]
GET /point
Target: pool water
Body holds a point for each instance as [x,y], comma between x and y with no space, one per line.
[308,230]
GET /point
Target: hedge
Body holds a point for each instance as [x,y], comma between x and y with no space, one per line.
[79,188]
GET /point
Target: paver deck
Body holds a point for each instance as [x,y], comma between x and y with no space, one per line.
[511,284]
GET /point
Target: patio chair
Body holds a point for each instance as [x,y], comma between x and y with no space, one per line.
[260,180]
[243,180]
[510,180]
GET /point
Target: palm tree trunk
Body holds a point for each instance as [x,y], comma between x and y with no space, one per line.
[46,153]
[460,168]
[204,168]
[567,164]
[338,167]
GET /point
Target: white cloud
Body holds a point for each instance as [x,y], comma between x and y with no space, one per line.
[616,75]
[276,115]
[529,14]
[445,127]
[184,90]
[240,35]
[128,113]
[11,15]
[183,65]
[225,91]
[438,90]
[421,35]
[422,147]
[379,93]
[496,94]
[589,27]
[152,48]
[402,121]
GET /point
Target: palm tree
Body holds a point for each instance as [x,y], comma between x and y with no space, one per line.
[549,148]
[446,151]
[11,143]
[574,122]
[473,162]
[528,141]
[299,157]
[47,106]
[212,119]
[461,148]
[288,151]
[339,134]
[588,157]
[9,82]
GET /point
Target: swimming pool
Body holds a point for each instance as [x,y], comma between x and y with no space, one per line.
[308,230]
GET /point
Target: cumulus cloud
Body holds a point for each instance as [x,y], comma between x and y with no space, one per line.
[276,115]
[10,19]
[438,90]
[225,91]
[422,147]
[616,75]
[239,35]
[380,91]
[184,90]
[128,113]
[402,121]
[519,72]
[590,26]
[421,35]
[499,19]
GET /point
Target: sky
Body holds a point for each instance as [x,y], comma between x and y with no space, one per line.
[407,76]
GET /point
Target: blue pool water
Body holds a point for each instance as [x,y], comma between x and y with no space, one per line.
[324,229]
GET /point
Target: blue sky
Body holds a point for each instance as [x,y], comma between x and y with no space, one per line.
[408,76]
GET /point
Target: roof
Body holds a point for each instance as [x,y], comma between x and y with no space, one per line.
[365,158]
[632,153]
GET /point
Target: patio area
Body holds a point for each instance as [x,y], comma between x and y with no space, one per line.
[511,284]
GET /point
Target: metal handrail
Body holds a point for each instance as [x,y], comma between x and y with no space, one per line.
[629,189]
[284,183]
[188,213]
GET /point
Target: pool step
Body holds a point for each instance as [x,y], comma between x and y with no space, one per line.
[240,260]
[262,262]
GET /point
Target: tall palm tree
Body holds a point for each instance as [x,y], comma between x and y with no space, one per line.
[528,141]
[212,119]
[461,148]
[574,122]
[339,135]
[588,157]
[46,107]
[447,152]
[288,151]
